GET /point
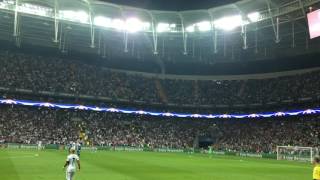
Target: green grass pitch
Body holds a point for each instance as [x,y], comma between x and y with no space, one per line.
[105,165]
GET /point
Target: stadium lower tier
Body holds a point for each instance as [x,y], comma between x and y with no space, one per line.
[53,126]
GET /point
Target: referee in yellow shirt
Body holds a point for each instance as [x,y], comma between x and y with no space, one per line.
[316,169]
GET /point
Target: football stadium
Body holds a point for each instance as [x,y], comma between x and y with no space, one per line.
[159,90]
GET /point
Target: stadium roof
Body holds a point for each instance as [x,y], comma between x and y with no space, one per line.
[174,5]
[249,28]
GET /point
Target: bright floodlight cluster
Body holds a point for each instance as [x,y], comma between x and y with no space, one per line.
[34,9]
[132,24]
[166,27]
[201,26]
[78,16]
[227,23]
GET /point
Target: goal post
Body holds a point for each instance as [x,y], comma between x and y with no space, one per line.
[297,153]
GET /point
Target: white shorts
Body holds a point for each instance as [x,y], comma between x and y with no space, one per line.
[70,175]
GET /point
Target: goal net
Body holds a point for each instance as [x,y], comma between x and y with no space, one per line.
[296,153]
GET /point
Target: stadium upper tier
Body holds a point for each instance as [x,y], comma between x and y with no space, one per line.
[88,26]
[45,76]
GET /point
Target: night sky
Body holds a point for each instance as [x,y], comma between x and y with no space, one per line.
[174,5]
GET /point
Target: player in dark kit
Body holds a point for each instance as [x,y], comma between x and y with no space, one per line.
[78,148]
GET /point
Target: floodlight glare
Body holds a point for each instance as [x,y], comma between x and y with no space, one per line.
[204,26]
[190,28]
[82,16]
[118,24]
[173,26]
[229,23]
[79,16]
[254,17]
[133,25]
[33,9]
[5,3]
[163,27]
[10,2]
[102,21]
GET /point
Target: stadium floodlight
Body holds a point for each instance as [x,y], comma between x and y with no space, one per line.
[82,16]
[102,21]
[5,3]
[204,26]
[190,28]
[118,24]
[78,16]
[229,23]
[9,2]
[34,9]
[173,26]
[133,25]
[254,17]
[166,27]
[163,27]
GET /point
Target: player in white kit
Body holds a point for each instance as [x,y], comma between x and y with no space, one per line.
[71,162]
[39,145]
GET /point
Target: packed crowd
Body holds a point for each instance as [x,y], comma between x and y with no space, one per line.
[74,77]
[265,135]
[30,125]
[57,75]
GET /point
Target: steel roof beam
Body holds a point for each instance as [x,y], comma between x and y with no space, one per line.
[56,21]
[274,25]
[154,33]
[214,34]
[92,31]
[184,35]
[243,28]
[16,28]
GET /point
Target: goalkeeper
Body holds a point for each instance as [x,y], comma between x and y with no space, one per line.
[316,169]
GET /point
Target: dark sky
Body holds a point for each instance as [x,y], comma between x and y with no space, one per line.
[172,4]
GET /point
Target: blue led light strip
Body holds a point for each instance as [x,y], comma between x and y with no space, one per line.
[141,112]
